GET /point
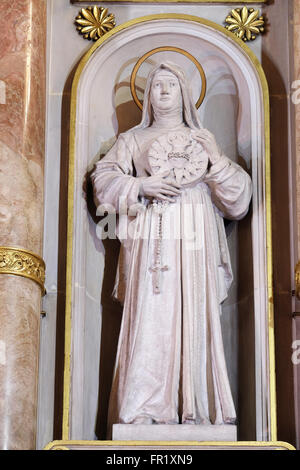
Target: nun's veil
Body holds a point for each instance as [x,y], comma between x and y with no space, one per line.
[190,116]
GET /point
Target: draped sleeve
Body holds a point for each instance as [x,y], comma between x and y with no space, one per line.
[113,177]
[231,188]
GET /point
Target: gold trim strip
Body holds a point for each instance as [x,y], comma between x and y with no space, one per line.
[78,2]
[272,366]
[20,262]
[265,91]
[62,445]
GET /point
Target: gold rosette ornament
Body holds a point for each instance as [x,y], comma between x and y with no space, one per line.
[94,22]
[246,24]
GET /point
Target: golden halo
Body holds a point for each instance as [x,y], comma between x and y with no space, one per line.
[163,49]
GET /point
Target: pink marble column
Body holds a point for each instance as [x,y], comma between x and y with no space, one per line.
[22,125]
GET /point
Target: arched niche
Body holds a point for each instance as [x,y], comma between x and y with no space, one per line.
[236,110]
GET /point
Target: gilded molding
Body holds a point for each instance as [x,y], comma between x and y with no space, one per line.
[20,262]
[94,22]
[171,1]
[60,448]
[245,23]
[163,445]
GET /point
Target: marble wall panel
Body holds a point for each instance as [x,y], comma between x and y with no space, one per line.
[47,368]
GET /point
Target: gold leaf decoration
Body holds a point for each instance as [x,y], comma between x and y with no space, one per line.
[245,23]
[22,262]
[94,22]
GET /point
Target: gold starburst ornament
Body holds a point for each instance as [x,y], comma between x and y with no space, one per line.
[94,22]
[245,23]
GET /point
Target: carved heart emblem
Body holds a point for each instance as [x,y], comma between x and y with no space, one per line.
[178,157]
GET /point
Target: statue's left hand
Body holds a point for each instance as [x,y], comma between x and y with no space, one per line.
[208,141]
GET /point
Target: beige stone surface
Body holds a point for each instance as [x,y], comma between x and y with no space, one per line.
[174,432]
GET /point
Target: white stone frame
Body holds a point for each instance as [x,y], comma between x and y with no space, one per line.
[257,94]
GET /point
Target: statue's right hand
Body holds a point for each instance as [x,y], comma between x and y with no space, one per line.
[156,187]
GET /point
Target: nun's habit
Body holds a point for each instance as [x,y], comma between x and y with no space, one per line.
[174,272]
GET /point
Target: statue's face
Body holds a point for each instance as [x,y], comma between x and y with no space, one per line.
[165,90]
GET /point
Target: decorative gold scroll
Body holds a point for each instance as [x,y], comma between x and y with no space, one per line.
[20,262]
[164,49]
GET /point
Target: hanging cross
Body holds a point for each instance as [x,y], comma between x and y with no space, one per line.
[157,269]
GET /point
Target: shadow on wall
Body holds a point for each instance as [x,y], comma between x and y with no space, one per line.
[239,334]
[280,194]
[62,251]
[111,319]
[128,115]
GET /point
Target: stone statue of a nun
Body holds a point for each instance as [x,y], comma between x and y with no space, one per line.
[174,267]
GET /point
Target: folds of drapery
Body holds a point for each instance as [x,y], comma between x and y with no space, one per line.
[184,317]
[116,185]
[113,179]
[231,188]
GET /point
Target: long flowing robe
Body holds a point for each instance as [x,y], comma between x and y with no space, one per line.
[170,364]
